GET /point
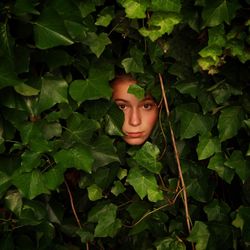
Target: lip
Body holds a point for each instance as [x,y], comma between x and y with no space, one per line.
[134,134]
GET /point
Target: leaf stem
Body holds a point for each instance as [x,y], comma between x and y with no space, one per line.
[183,186]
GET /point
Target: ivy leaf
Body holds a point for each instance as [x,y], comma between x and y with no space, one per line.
[219,11]
[144,183]
[217,36]
[105,16]
[94,192]
[190,88]
[96,86]
[147,156]
[30,160]
[13,202]
[134,9]
[137,91]
[193,123]
[30,184]
[217,211]
[239,164]
[50,31]
[105,216]
[53,91]
[207,147]
[118,188]
[103,152]
[170,243]
[135,62]
[199,235]
[97,43]
[216,163]
[26,90]
[54,177]
[77,157]
[230,121]
[163,23]
[166,5]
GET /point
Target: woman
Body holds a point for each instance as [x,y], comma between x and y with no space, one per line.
[140,115]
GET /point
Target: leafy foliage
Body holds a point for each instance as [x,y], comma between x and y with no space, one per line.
[68,181]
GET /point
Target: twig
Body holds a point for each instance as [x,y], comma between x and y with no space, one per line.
[73,205]
[176,156]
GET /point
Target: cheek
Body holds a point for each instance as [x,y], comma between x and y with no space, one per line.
[150,120]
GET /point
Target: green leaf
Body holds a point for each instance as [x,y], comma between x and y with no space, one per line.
[217,211]
[135,62]
[216,163]
[26,90]
[54,177]
[103,152]
[199,235]
[97,43]
[30,184]
[137,91]
[170,243]
[105,216]
[207,146]
[53,91]
[50,31]
[77,157]
[25,6]
[219,11]
[5,182]
[166,5]
[217,36]
[147,157]
[135,9]
[105,16]
[212,51]
[230,122]
[239,164]
[159,24]
[193,123]
[13,201]
[190,88]
[144,184]
[94,192]
[30,160]
[8,76]
[79,129]
[118,188]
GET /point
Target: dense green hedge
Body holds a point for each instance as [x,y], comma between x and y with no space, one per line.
[68,181]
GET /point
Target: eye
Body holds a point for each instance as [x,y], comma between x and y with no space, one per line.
[148,106]
[121,106]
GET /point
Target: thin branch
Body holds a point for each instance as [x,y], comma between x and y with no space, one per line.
[73,205]
[176,156]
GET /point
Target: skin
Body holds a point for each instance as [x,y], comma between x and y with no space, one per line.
[140,116]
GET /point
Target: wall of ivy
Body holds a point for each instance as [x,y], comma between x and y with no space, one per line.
[68,181]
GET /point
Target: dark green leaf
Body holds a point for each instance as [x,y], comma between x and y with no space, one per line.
[135,62]
[170,243]
[216,163]
[50,30]
[77,157]
[166,5]
[207,147]
[13,201]
[53,91]
[230,121]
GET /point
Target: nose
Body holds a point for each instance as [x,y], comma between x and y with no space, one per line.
[135,117]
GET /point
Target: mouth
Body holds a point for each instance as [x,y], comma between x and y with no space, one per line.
[134,134]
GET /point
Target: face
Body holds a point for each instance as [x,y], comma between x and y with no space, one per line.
[140,116]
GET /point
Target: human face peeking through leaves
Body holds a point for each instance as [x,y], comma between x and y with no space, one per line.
[140,116]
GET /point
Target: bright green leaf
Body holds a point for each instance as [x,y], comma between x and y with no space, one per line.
[118,188]
[134,8]
[135,62]
[143,182]
[137,91]
[105,16]
[230,122]
[147,157]
[94,192]
[26,90]
[53,91]
[159,24]
[207,147]
[13,201]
